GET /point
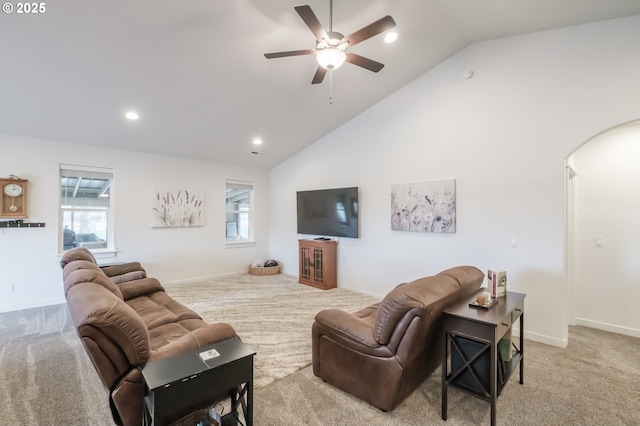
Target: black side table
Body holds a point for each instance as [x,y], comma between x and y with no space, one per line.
[178,385]
[471,358]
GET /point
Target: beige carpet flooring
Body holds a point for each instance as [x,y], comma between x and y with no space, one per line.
[46,378]
[595,381]
[273,314]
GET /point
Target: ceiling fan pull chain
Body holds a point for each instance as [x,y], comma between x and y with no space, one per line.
[330,86]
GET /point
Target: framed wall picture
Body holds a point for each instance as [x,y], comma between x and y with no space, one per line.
[177,207]
[424,206]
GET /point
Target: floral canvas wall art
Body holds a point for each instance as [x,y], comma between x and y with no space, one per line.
[424,206]
[179,207]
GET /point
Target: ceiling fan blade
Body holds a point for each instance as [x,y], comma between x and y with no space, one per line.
[363,62]
[312,21]
[289,53]
[319,76]
[380,26]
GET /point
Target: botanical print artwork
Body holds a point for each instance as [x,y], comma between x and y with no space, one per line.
[424,206]
[177,208]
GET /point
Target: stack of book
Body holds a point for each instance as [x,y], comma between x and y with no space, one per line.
[497,283]
[505,354]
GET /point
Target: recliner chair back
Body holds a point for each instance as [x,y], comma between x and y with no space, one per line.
[383,352]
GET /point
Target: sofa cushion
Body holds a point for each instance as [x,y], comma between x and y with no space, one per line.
[79,264]
[79,253]
[129,276]
[171,341]
[158,309]
[113,334]
[392,308]
[419,294]
[139,287]
[354,327]
[84,271]
[465,275]
[164,334]
[124,271]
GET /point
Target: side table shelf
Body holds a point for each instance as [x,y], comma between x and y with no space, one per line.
[472,357]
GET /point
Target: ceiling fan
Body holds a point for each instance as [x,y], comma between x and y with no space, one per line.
[331,47]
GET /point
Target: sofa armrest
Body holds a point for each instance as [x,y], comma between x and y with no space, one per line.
[131,289]
[348,325]
[211,333]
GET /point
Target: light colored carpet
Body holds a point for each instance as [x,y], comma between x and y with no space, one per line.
[45,374]
[273,314]
[46,378]
[594,381]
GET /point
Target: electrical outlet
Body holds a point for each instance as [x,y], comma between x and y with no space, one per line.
[8,288]
[514,242]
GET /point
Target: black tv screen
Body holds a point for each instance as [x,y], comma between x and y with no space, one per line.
[328,212]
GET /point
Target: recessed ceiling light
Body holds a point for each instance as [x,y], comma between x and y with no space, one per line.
[391,37]
[257,141]
[132,115]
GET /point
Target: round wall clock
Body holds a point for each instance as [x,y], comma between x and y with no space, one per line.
[14,197]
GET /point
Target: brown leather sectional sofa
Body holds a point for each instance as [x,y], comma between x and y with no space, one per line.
[383,352]
[126,320]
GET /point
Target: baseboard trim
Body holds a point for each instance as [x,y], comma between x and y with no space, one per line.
[32,304]
[627,331]
[366,293]
[541,338]
[208,277]
[211,277]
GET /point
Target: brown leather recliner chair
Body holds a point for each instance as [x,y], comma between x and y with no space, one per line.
[125,320]
[382,353]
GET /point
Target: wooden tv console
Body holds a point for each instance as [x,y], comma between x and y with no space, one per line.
[318,259]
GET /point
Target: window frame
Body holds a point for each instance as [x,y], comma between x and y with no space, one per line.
[240,184]
[110,249]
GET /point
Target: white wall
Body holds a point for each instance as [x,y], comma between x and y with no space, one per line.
[607,288]
[28,256]
[503,135]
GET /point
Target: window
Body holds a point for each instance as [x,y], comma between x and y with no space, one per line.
[239,216]
[85,208]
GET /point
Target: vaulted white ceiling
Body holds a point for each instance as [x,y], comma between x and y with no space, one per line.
[195,70]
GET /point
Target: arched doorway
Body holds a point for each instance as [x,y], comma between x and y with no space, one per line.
[603,231]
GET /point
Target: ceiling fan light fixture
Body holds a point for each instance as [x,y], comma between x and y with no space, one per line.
[391,37]
[331,58]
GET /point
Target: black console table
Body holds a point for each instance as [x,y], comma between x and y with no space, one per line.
[182,384]
[471,357]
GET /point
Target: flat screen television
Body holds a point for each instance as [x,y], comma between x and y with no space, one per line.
[328,212]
